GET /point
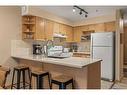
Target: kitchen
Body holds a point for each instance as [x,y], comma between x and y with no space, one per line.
[46,42]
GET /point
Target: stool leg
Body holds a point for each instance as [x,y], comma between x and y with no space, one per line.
[18,79]
[49,81]
[39,82]
[23,76]
[12,79]
[62,86]
[30,78]
[51,85]
[73,84]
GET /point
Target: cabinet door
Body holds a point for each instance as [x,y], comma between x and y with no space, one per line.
[62,29]
[92,27]
[77,34]
[84,28]
[49,29]
[56,27]
[40,33]
[110,26]
[99,27]
[69,33]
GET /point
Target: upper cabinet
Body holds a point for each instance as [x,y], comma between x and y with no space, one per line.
[63,29]
[49,29]
[77,34]
[37,28]
[28,27]
[110,26]
[40,29]
[100,27]
[56,28]
[69,33]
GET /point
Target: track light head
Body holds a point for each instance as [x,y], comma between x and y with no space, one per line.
[86,15]
[80,12]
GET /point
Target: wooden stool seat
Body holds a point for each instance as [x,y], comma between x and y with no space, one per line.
[62,81]
[39,78]
[62,78]
[38,72]
[21,67]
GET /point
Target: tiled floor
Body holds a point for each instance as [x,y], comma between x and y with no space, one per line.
[116,85]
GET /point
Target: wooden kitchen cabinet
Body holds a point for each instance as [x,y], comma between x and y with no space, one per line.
[99,27]
[110,26]
[85,28]
[69,33]
[63,29]
[28,27]
[77,34]
[56,27]
[40,32]
[49,29]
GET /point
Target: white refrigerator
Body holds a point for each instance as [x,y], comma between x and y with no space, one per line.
[102,46]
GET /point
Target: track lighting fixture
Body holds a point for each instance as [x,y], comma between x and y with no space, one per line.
[81,11]
[74,9]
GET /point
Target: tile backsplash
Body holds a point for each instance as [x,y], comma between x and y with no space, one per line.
[25,47]
[84,46]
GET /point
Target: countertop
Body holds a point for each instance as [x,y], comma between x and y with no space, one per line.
[76,62]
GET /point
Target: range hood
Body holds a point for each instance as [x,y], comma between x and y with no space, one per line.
[56,35]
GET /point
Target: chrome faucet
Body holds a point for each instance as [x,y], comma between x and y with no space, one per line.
[46,46]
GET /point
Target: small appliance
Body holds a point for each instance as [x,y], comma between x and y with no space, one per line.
[37,49]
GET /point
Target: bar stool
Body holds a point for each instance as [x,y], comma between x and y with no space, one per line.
[21,70]
[39,78]
[62,81]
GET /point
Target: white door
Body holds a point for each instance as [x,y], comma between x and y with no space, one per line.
[102,39]
[106,54]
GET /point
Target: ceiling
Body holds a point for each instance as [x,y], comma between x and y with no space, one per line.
[93,11]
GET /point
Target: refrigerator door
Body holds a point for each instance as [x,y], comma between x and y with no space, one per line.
[106,54]
[102,39]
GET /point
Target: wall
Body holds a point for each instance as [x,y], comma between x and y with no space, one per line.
[10,29]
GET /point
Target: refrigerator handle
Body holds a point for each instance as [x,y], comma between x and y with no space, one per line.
[91,47]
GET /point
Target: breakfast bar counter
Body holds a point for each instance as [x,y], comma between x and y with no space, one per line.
[85,71]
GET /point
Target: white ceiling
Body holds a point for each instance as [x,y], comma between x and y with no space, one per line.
[93,11]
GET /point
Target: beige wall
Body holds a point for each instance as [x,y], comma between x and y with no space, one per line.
[10,29]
